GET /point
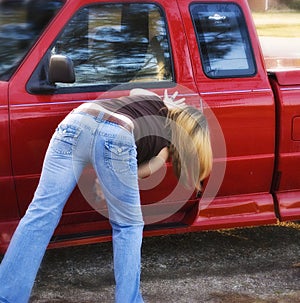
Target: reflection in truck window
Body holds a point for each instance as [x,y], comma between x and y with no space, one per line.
[111,44]
[21,24]
[223,40]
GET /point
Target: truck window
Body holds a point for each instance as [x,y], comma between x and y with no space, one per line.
[112,44]
[223,40]
[21,23]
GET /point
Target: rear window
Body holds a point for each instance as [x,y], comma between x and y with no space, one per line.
[223,40]
[21,23]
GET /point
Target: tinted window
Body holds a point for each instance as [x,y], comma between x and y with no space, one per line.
[223,40]
[21,23]
[113,44]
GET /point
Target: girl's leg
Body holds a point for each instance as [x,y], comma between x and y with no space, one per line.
[26,250]
[127,242]
[116,166]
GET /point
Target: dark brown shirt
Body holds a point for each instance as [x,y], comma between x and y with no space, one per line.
[148,114]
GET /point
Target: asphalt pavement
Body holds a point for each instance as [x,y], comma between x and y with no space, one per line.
[246,265]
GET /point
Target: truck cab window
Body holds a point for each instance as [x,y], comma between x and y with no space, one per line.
[113,44]
[21,24]
[223,40]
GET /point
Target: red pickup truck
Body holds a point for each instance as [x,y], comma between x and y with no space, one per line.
[55,55]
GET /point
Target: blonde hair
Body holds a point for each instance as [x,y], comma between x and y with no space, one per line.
[190,145]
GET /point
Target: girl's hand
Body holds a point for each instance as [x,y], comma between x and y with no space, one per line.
[170,100]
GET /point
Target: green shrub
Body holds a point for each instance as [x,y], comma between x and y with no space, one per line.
[293,4]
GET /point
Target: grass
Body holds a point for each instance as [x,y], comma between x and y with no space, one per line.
[278,24]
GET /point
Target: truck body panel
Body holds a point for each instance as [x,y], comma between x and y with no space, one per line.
[254,116]
[286,86]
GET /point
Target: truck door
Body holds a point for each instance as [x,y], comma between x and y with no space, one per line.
[231,79]
[114,47]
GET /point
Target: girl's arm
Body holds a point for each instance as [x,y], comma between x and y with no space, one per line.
[148,168]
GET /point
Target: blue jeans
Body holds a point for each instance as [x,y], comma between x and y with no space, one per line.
[80,139]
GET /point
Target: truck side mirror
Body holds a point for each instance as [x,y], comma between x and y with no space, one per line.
[61,69]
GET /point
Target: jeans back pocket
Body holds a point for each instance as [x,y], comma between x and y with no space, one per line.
[65,139]
[120,156]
